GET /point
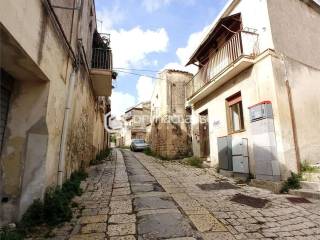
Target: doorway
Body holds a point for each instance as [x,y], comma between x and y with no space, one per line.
[6,84]
[204,134]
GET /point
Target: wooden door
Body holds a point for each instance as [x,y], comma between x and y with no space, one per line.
[204,135]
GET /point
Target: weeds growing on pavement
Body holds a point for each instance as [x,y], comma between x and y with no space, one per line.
[101,156]
[53,210]
[10,234]
[292,182]
[193,161]
[148,152]
[306,167]
[151,153]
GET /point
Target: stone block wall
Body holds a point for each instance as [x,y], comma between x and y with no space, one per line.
[170,140]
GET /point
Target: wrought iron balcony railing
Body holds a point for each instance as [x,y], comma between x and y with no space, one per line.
[242,44]
[101,58]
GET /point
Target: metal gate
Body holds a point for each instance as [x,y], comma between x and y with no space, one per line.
[6,83]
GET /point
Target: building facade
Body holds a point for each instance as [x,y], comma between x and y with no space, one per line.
[135,122]
[255,100]
[56,77]
[170,129]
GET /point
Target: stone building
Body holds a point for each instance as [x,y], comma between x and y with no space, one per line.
[135,121]
[56,77]
[170,128]
[258,87]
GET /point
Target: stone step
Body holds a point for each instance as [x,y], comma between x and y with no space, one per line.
[273,186]
[306,193]
[310,185]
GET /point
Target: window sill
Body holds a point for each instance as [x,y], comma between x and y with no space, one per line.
[235,132]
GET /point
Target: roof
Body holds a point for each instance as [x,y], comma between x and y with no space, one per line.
[224,22]
[177,71]
[138,106]
[223,14]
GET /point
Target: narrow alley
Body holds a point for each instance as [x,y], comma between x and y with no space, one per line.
[159,120]
[135,196]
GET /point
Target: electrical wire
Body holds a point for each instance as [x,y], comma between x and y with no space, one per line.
[140,70]
[138,74]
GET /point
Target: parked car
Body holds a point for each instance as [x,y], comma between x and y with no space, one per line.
[138,145]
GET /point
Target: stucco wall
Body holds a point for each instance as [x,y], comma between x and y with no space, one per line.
[296,35]
[254,14]
[256,84]
[29,160]
[295,30]
[303,82]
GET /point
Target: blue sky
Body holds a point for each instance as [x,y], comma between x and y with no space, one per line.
[151,35]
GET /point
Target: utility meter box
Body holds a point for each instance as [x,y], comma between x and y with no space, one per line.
[260,111]
[264,141]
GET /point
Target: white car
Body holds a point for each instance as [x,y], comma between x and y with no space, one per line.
[138,145]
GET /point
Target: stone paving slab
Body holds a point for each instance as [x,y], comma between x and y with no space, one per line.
[206,222]
[93,236]
[94,228]
[149,203]
[137,197]
[122,218]
[279,219]
[94,219]
[128,237]
[121,229]
[163,225]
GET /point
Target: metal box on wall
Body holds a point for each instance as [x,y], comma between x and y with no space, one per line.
[264,142]
[233,154]
[240,156]
[260,111]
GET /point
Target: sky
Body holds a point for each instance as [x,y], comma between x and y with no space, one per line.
[148,36]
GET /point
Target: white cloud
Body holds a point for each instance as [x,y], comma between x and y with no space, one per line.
[144,88]
[131,47]
[120,102]
[193,42]
[185,53]
[108,17]
[153,5]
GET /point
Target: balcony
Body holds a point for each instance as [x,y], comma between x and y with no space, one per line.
[101,65]
[234,56]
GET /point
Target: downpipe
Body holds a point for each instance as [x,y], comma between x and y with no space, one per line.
[62,154]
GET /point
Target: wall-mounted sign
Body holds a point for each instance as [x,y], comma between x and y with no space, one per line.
[216,124]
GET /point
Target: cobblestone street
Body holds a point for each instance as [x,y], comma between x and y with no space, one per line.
[135,196]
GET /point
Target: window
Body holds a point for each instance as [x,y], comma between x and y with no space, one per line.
[235,113]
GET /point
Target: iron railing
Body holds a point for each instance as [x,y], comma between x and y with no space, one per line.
[101,58]
[241,44]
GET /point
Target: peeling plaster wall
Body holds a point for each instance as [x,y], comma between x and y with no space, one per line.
[28,108]
[29,160]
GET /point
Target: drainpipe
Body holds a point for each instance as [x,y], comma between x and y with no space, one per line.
[62,155]
[292,115]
